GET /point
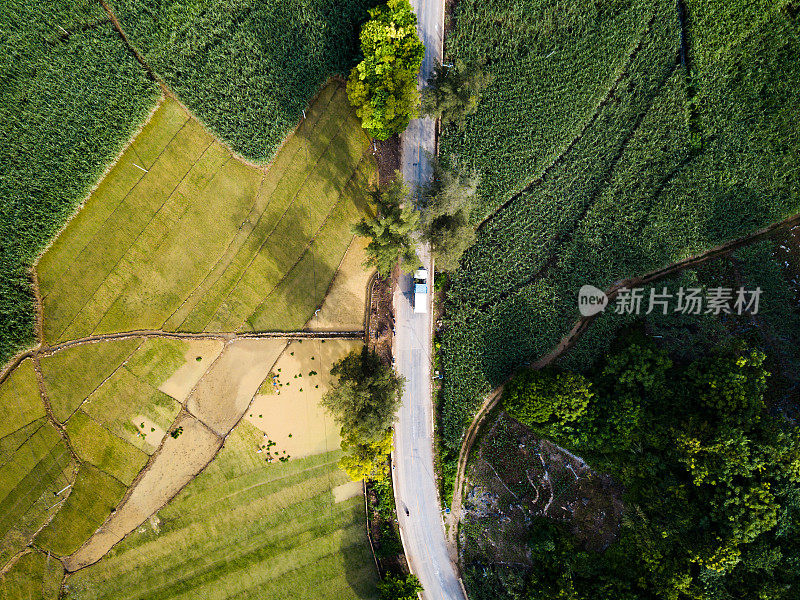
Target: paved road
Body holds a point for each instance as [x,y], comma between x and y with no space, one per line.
[421,529]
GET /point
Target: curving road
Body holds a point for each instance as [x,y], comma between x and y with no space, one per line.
[418,509]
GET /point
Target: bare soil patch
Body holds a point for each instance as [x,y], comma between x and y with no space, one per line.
[287,407]
[182,381]
[516,477]
[343,307]
[177,462]
[223,394]
[387,154]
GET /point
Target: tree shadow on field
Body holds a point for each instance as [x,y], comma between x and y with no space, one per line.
[357,559]
[301,291]
[331,162]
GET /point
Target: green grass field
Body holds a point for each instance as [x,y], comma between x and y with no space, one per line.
[244,529]
[20,402]
[92,498]
[30,476]
[97,445]
[202,241]
[33,577]
[673,161]
[72,375]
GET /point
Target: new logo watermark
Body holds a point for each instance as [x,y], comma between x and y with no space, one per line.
[591,300]
[687,301]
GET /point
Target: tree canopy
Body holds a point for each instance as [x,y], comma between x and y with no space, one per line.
[447,203]
[390,230]
[711,480]
[399,588]
[383,86]
[453,91]
[363,401]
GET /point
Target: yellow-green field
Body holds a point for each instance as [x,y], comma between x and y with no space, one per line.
[96,434]
[182,235]
[244,529]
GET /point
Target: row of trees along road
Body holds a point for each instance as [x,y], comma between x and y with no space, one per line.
[382,88]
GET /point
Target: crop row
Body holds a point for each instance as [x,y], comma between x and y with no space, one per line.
[246,69]
[71,96]
[551,63]
[633,194]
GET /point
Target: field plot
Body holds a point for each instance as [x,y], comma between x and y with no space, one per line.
[20,402]
[287,406]
[246,529]
[344,305]
[35,463]
[73,374]
[664,168]
[92,498]
[72,96]
[568,52]
[203,241]
[32,577]
[215,406]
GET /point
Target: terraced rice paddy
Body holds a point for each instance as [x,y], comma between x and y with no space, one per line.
[182,235]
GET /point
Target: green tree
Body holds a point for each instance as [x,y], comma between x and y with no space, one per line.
[546,400]
[731,388]
[383,86]
[365,397]
[453,92]
[363,401]
[446,206]
[365,460]
[390,230]
[399,588]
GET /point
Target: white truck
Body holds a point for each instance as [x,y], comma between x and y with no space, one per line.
[421,290]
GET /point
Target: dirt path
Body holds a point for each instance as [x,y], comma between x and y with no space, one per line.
[226,337]
[118,26]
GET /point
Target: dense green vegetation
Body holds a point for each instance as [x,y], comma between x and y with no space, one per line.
[363,401]
[446,205]
[656,161]
[383,86]
[710,485]
[71,95]
[453,92]
[246,69]
[390,231]
[399,588]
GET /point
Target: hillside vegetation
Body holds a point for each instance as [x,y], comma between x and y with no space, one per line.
[709,484]
[655,155]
